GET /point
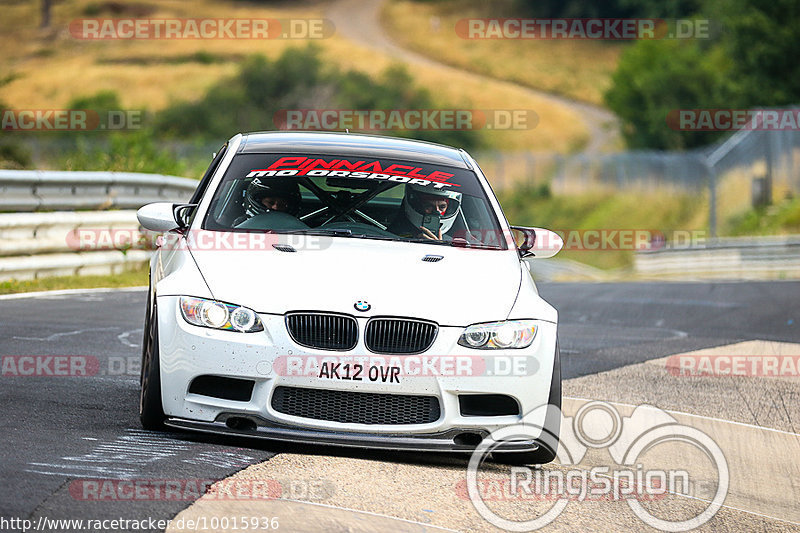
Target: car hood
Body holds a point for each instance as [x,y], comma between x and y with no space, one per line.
[464,287]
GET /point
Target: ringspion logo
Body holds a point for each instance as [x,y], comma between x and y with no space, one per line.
[631,442]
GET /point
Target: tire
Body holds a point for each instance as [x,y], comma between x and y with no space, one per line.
[544,454]
[151,410]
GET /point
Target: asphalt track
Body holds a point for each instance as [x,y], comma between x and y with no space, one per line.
[60,430]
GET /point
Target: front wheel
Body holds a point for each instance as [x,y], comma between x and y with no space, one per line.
[552,427]
[151,411]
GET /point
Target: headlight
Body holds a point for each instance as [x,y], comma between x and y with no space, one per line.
[218,315]
[499,335]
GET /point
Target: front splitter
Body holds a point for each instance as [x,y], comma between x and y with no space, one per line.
[428,442]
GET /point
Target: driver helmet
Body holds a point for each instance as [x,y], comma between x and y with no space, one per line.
[284,195]
[420,200]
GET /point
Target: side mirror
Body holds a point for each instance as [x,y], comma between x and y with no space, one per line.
[537,243]
[163,216]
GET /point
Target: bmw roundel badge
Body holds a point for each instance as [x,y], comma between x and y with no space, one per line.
[362,306]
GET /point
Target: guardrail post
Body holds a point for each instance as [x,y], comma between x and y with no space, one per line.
[712,200]
[769,177]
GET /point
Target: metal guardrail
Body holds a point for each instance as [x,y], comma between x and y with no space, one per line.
[35,243]
[725,258]
[48,190]
[65,243]
[71,264]
[60,231]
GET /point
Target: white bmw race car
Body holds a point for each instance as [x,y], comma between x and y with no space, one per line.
[353,290]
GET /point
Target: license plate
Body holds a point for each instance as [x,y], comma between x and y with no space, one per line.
[359,372]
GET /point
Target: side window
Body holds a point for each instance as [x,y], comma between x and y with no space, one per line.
[204,181]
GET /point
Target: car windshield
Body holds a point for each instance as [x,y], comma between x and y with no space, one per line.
[354,197]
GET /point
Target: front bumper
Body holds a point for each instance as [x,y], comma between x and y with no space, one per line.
[445,441]
[187,352]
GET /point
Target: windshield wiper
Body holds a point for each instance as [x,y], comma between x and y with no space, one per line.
[463,243]
[428,241]
[313,231]
[343,232]
[458,243]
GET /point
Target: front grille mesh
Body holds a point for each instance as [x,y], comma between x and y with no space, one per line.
[323,331]
[398,335]
[356,407]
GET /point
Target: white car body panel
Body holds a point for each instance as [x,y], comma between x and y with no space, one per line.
[391,276]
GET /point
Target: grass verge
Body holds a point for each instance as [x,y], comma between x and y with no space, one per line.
[782,217]
[571,216]
[578,69]
[131,278]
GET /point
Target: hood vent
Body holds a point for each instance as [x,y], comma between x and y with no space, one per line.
[283,248]
[432,258]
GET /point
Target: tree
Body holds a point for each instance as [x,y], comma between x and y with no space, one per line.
[654,78]
[750,62]
[610,8]
[762,39]
[300,79]
[12,154]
